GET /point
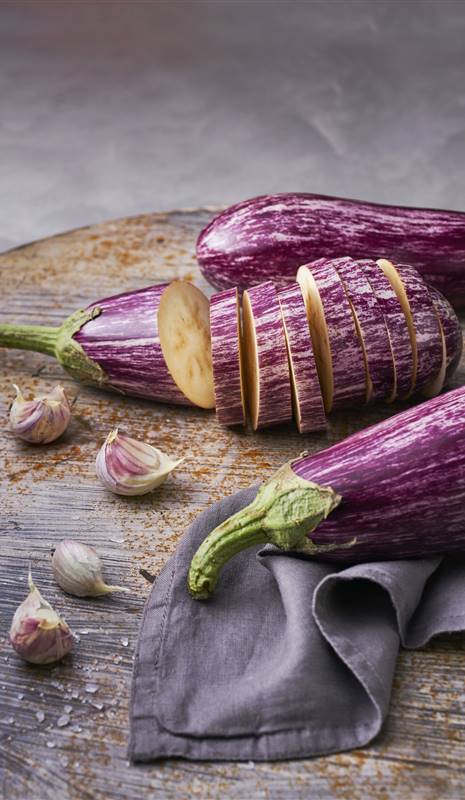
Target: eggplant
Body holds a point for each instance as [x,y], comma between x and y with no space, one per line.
[309,412]
[452,333]
[371,328]
[336,343]
[422,322]
[113,344]
[269,237]
[394,490]
[396,324]
[225,330]
[268,381]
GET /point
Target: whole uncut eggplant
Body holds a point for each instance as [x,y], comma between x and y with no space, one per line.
[394,490]
[113,343]
[267,238]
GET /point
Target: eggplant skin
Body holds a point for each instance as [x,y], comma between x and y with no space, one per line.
[402,483]
[269,237]
[452,332]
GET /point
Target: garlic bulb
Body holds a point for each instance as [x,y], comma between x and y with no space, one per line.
[37,633]
[127,466]
[41,420]
[78,571]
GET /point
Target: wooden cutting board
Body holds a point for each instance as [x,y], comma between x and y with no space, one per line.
[48,493]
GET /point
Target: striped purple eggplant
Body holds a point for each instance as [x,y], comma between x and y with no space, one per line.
[372,329]
[226,357]
[338,351]
[394,490]
[399,337]
[113,343]
[269,237]
[309,411]
[452,333]
[265,357]
[422,320]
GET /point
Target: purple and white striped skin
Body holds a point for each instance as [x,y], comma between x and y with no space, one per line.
[452,332]
[308,403]
[265,357]
[346,354]
[124,341]
[372,327]
[269,237]
[396,324]
[402,484]
[427,333]
[226,357]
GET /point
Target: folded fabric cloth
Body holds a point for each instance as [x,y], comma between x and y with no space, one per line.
[291,657]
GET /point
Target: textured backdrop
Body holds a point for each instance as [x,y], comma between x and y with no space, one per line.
[112,108]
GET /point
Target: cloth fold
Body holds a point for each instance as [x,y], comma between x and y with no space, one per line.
[290,658]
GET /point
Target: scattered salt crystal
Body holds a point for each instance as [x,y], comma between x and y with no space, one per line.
[85,631]
[99,706]
[20,696]
[68,709]
[40,716]
[124,641]
[51,744]
[75,694]
[91,688]
[63,721]
[76,729]
[64,761]
[8,720]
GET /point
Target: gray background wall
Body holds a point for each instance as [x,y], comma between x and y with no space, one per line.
[112,108]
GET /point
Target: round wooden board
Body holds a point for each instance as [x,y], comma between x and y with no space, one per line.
[51,492]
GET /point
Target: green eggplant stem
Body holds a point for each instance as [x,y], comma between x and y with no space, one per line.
[286,508]
[59,343]
[29,337]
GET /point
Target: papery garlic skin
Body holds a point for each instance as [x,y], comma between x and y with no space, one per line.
[130,467]
[41,420]
[77,569]
[38,634]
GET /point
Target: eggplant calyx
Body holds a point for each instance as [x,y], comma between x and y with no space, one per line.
[71,355]
[286,509]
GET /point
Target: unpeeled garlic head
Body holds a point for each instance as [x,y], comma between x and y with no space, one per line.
[130,467]
[38,634]
[41,420]
[78,571]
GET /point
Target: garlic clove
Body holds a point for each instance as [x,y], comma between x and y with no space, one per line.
[41,420]
[130,467]
[38,634]
[77,569]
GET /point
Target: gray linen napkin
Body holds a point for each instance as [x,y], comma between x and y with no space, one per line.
[290,658]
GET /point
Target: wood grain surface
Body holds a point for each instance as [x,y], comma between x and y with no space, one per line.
[51,492]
